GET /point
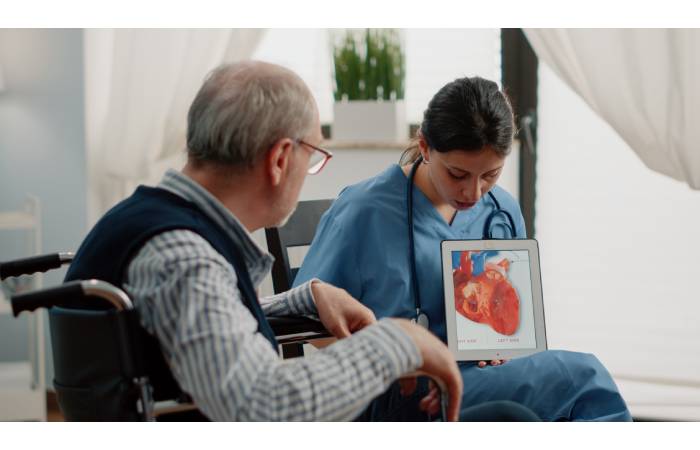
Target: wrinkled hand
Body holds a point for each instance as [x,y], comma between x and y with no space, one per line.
[438,363]
[495,362]
[338,311]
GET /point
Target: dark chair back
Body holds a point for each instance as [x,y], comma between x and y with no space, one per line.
[299,231]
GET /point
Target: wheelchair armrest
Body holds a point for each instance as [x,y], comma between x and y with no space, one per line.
[297,328]
[28,266]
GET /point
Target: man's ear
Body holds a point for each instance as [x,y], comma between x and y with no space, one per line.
[277,160]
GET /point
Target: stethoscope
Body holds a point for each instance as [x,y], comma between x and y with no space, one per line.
[421,318]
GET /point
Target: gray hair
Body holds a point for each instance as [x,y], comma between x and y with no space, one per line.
[242,109]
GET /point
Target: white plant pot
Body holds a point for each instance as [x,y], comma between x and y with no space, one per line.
[369,121]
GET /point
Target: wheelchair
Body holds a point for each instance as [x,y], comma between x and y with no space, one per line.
[107,367]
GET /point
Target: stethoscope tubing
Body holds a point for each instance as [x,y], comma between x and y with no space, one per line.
[487,233]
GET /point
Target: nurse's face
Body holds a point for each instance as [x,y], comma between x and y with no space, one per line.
[462,177]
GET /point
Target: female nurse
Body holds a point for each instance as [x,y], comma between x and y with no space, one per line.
[362,245]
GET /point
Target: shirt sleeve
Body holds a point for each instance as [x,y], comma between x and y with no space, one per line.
[187,297]
[298,301]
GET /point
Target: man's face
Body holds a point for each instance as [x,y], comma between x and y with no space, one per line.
[298,169]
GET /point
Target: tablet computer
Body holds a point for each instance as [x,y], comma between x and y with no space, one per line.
[493,298]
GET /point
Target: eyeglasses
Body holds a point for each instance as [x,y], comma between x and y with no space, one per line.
[319,158]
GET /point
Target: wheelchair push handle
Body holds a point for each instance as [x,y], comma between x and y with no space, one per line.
[71,294]
[27,266]
[63,295]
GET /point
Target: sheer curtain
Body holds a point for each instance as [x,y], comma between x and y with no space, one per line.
[618,241]
[139,84]
[643,82]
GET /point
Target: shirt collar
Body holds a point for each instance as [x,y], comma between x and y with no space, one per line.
[257,260]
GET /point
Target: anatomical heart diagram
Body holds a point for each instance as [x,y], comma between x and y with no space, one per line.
[484,294]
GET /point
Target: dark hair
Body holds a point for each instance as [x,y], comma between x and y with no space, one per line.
[466,114]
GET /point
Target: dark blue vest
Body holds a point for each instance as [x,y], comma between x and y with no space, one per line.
[109,247]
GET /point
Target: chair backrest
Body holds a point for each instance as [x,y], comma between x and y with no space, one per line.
[299,231]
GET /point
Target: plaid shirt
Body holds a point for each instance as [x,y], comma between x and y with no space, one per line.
[187,296]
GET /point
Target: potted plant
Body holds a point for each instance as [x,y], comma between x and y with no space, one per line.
[369,72]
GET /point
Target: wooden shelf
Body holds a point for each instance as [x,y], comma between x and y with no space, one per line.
[16,221]
[354,145]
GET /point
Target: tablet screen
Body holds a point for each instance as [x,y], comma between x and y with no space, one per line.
[493,299]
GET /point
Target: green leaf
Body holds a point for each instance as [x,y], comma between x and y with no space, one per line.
[369,65]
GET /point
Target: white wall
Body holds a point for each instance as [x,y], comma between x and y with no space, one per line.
[347,167]
[620,253]
[435,57]
[42,149]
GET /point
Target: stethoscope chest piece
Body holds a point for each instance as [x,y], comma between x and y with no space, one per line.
[422,320]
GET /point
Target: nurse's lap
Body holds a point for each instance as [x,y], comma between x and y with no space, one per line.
[552,383]
[497,411]
[519,377]
[392,406]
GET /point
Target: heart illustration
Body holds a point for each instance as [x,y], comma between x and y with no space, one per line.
[487,297]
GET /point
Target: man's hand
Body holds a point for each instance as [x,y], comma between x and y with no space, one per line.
[339,312]
[438,363]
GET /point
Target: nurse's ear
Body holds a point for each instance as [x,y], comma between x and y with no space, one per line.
[277,160]
[424,149]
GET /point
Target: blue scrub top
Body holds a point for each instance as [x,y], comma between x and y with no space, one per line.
[361,245]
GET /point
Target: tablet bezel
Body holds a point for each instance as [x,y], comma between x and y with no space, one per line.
[446,249]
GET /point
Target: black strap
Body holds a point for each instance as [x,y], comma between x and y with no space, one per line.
[411,244]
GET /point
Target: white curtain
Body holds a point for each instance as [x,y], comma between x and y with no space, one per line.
[618,241]
[139,85]
[643,82]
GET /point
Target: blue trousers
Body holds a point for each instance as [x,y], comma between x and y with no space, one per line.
[555,385]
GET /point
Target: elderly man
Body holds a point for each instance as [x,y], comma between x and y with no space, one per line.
[184,253]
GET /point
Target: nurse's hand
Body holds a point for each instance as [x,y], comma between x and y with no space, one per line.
[495,362]
[338,311]
[438,363]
